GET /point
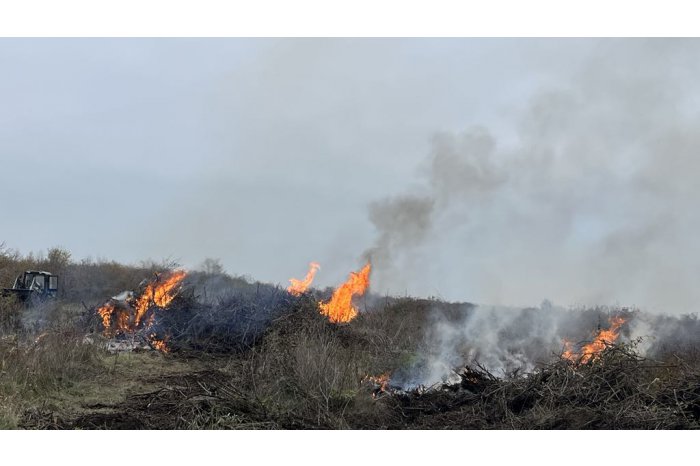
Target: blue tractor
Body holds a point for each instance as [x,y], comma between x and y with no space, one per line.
[34,285]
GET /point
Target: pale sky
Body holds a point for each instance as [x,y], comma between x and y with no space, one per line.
[266,153]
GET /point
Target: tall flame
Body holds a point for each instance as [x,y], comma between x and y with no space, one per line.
[159,292]
[591,350]
[298,287]
[127,317]
[114,319]
[105,312]
[340,307]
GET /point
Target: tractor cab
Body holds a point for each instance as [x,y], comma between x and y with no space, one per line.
[34,284]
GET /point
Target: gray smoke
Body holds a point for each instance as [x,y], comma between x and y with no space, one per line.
[500,339]
[589,197]
[403,223]
[508,340]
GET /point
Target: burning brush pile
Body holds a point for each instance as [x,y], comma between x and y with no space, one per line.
[132,317]
[310,372]
[163,317]
[577,355]
[166,314]
[620,390]
[412,363]
[339,308]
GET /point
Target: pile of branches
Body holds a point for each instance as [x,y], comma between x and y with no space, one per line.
[234,322]
[618,390]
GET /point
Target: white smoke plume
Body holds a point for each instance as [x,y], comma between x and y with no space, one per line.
[588,198]
[509,340]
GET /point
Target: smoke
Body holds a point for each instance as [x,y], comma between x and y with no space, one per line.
[586,197]
[403,222]
[509,340]
[500,339]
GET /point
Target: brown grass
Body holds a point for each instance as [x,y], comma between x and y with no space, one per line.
[306,373]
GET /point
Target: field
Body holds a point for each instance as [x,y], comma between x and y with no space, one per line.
[247,355]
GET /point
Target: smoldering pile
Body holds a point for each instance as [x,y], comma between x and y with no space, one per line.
[495,368]
[513,377]
[508,342]
[620,390]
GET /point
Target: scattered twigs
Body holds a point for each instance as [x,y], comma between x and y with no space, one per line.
[617,390]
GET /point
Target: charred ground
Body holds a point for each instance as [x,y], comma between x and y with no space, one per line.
[249,355]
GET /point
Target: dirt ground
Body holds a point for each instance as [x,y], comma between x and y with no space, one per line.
[122,396]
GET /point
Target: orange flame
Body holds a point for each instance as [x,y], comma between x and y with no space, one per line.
[298,287]
[120,318]
[568,352]
[123,320]
[105,312]
[159,293]
[160,345]
[340,307]
[380,382]
[591,350]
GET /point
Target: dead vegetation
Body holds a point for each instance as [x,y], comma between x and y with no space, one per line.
[250,356]
[619,390]
[35,369]
[307,374]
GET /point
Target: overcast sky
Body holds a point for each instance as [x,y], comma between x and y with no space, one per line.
[268,154]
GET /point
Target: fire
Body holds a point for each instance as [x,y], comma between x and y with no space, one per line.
[591,350]
[122,317]
[298,287]
[160,345]
[340,307]
[123,320]
[115,319]
[159,293]
[568,352]
[380,382]
[105,312]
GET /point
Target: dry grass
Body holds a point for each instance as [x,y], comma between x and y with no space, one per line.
[34,369]
[306,373]
[619,390]
[293,369]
